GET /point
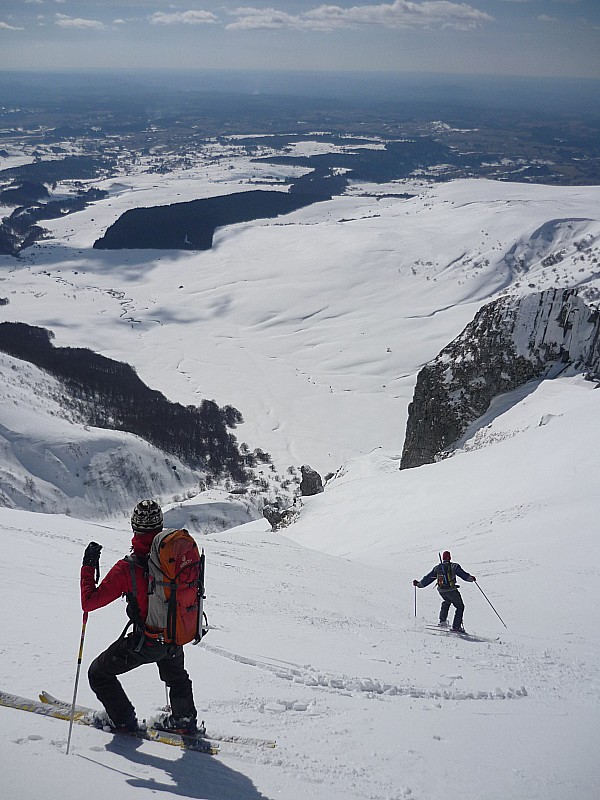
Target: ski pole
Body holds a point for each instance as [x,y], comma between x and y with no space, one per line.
[79,659]
[495,612]
[415,588]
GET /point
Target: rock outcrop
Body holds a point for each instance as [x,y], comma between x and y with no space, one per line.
[510,341]
[280,517]
[311,482]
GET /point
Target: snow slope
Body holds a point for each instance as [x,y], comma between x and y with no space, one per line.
[322,317]
[314,326]
[315,642]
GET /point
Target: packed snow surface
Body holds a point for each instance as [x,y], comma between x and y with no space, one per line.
[314,325]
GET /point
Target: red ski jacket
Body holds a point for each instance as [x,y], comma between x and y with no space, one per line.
[117,581]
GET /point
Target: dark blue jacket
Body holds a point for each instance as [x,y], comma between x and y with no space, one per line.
[445,578]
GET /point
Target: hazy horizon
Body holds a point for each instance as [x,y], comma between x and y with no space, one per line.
[537,38]
[578,96]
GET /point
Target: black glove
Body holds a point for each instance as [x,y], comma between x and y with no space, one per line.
[416,583]
[91,557]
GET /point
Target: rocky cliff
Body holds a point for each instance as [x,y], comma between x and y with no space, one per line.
[510,341]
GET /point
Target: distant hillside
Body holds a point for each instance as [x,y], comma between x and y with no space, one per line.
[191,225]
[20,193]
[50,171]
[19,230]
[109,394]
[53,463]
[392,161]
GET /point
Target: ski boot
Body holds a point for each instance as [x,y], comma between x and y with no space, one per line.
[184,726]
[102,721]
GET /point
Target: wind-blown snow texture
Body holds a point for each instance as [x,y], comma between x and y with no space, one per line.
[314,325]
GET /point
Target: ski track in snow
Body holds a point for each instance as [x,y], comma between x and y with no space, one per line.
[320,680]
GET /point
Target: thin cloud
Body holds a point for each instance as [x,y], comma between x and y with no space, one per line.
[4,26]
[183,18]
[546,18]
[264,19]
[400,14]
[64,21]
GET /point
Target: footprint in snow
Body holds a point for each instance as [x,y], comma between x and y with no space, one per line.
[32,738]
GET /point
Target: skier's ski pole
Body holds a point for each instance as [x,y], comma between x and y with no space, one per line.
[495,612]
[415,588]
[79,659]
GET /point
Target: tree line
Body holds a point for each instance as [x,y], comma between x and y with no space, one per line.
[109,394]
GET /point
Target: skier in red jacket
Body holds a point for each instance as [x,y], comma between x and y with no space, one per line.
[128,652]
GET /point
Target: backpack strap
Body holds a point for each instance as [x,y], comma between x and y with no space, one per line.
[202,628]
[445,575]
[133,607]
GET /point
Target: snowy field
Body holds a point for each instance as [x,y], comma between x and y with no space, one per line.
[314,325]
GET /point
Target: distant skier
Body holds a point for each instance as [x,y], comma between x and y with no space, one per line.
[135,649]
[445,574]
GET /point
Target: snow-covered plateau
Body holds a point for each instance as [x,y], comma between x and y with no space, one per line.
[314,325]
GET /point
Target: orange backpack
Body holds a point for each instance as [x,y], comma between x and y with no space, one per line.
[175,573]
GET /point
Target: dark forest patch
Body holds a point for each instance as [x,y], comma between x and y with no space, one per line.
[191,225]
[109,394]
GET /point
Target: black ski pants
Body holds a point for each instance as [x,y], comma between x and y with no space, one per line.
[451,597]
[121,657]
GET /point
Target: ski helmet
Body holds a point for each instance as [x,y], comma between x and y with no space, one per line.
[147,517]
[446,555]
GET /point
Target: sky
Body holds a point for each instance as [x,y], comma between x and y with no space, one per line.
[557,38]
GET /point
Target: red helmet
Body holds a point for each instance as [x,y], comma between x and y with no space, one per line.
[446,555]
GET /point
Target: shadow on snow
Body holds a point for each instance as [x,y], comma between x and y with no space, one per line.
[193,775]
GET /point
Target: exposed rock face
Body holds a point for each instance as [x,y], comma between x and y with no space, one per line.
[311,482]
[510,341]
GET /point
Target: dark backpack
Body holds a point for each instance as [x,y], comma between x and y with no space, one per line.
[175,572]
[446,579]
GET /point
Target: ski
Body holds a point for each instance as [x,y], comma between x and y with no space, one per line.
[85,717]
[213,736]
[469,637]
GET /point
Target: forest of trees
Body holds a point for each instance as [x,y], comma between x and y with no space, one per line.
[109,394]
[191,225]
